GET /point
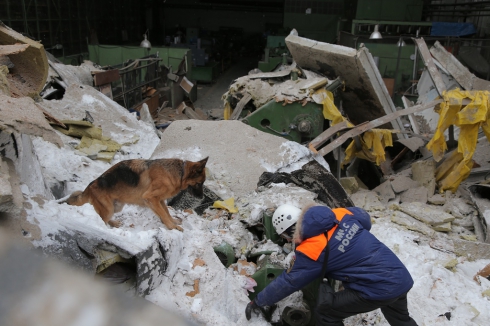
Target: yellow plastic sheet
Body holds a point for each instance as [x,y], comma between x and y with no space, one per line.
[469,119]
[227,111]
[373,143]
[330,111]
[228,204]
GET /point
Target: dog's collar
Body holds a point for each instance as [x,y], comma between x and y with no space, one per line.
[183,171]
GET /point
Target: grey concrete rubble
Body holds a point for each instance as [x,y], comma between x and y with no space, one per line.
[425,213]
[401,183]
[423,172]
[419,194]
[385,191]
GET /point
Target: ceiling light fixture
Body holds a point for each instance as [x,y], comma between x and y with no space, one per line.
[376,35]
[145,43]
[401,42]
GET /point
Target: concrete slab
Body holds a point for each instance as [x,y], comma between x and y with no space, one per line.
[470,249]
[464,77]
[424,213]
[365,97]
[419,194]
[385,192]
[411,223]
[424,173]
[368,201]
[401,183]
[437,199]
[238,153]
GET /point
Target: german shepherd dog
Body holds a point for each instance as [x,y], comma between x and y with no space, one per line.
[142,182]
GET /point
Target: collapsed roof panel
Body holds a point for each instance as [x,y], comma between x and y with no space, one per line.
[28,76]
[365,96]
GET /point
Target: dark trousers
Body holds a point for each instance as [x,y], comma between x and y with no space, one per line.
[348,303]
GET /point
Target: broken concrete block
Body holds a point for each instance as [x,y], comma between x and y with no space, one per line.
[466,222]
[410,223]
[349,184]
[385,191]
[424,213]
[458,207]
[437,199]
[395,201]
[424,173]
[445,227]
[419,194]
[367,200]
[472,250]
[401,183]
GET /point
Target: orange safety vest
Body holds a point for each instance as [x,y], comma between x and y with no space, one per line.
[313,247]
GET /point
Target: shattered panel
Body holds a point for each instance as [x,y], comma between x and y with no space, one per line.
[365,96]
[315,178]
[23,116]
[30,71]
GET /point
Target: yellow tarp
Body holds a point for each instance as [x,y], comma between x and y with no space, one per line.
[469,119]
[227,111]
[373,143]
[330,111]
[228,204]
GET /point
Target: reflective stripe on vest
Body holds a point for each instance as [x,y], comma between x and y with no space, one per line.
[313,247]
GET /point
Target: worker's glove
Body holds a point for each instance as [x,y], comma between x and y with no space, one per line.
[252,306]
[266,312]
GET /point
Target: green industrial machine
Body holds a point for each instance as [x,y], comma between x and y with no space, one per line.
[293,121]
[274,52]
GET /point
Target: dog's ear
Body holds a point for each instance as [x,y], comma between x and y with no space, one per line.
[203,161]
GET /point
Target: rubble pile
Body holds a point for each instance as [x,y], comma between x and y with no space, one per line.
[437,223]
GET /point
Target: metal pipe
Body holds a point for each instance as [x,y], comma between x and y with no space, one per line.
[458,4]
[414,72]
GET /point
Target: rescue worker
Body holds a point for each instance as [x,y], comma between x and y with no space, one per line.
[371,274]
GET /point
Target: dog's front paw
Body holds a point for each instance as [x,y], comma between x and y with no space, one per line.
[179,228]
[114,224]
[177,221]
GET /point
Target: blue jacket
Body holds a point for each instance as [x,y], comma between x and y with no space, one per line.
[357,258]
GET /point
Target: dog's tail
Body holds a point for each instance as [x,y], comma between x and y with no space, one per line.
[78,198]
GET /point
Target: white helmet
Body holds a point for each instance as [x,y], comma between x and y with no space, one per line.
[285,216]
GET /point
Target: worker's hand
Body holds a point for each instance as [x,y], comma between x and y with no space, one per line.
[252,306]
[265,311]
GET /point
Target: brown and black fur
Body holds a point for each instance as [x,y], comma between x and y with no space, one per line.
[142,182]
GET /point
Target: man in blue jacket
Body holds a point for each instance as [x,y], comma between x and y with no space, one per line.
[372,275]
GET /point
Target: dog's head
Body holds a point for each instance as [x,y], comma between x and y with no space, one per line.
[194,176]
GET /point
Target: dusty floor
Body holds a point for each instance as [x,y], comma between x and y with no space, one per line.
[209,94]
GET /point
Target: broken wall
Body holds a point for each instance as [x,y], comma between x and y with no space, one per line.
[365,96]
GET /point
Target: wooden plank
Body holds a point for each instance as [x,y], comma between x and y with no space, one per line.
[457,70]
[105,77]
[373,124]
[239,107]
[431,66]
[326,135]
[415,126]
